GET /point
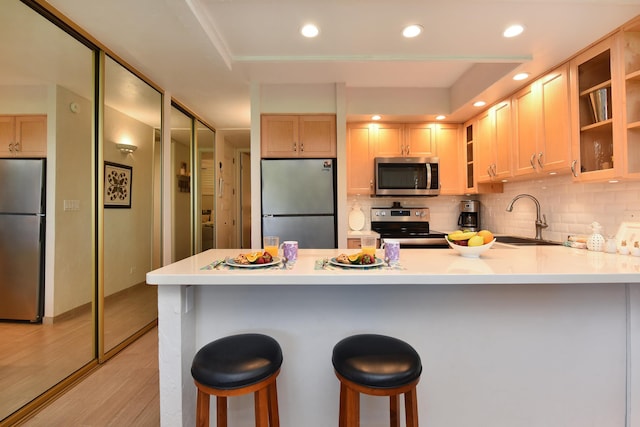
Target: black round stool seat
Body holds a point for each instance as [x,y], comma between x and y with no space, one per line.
[376,361]
[236,361]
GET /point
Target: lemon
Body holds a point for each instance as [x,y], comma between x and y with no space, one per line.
[353,259]
[253,256]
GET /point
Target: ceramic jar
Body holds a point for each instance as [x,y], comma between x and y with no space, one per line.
[595,242]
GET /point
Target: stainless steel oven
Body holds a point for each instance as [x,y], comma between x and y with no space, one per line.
[409,226]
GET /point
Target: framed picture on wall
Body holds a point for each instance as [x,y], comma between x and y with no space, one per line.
[117,185]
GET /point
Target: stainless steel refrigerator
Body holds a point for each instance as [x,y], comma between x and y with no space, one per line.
[299,201]
[22,227]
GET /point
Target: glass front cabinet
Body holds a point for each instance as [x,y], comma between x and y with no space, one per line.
[630,40]
[605,92]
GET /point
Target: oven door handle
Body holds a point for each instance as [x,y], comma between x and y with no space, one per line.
[420,241]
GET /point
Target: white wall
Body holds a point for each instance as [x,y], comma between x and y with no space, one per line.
[127,232]
[70,167]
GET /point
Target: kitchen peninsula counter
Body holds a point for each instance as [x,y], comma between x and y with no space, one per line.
[536,335]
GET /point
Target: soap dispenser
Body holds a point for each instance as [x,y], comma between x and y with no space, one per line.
[595,242]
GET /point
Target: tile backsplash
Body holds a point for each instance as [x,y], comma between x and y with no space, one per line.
[569,207]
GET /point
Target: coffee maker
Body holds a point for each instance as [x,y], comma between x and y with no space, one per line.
[469,218]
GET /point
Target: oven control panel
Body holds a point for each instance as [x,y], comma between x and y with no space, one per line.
[399,214]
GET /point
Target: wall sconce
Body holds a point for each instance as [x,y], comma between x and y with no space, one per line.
[126,148]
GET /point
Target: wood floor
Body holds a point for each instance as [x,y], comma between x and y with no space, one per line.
[37,357]
[124,391]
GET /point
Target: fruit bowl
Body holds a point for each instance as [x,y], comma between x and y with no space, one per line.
[471,251]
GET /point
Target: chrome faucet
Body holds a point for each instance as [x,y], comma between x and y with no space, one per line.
[540,222]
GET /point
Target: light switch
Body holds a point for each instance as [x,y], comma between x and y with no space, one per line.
[72,205]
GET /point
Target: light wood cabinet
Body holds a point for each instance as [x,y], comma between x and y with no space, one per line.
[447,137]
[470,129]
[360,155]
[354,243]
[493,144]
[295,136]
[405,140]
[598,144]
[389,139]
[23,136]
[420,140]
[542,133]
[631,98]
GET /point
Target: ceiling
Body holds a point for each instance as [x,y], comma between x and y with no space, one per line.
[207,53]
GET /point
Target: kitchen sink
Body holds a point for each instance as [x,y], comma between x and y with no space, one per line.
[524,241]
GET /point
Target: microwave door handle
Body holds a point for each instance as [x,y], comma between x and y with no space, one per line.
[428,165]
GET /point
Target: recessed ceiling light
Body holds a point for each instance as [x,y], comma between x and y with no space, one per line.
[441,117]
[520,76]
[376,117]
[309,31]
[513,30]
[412,31]
[479,104]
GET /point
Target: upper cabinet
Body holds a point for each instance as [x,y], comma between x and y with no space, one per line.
[598,143]
[447,137]
[405,140]
[309,136]
[360,155]
[493,143]
[542,134]
[23,136]
[631,98]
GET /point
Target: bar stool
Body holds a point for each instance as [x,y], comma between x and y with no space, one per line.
[376,365]
[237,365]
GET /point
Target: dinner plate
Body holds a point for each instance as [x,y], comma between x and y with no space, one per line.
[231,263]
[377,263]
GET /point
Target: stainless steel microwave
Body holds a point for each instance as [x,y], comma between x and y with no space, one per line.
[407,176]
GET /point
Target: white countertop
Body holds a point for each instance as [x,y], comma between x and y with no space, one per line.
[502,264]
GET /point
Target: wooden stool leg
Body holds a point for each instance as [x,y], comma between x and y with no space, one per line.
[262,407]
[342,413]
[202,409]
[394,419]
[411,407]
[274,416]
[352,400]
[221,411]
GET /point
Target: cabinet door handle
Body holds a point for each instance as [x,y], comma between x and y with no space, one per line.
[302,146]
[295,147]
[16,147]
[573,168]
[408,150]
[540,160]
[494,167]
[533,165]
[10,147]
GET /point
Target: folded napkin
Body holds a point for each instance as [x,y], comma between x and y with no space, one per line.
[324,264]
[221,264]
